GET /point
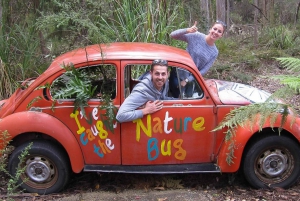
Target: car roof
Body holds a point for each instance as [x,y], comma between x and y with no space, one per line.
[123,51]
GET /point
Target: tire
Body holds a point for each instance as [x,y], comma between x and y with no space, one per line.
[47,167]
[273,161]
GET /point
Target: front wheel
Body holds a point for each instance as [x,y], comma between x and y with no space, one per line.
[47,167]
[273,161]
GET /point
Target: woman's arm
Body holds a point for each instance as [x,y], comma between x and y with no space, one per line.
[180,34]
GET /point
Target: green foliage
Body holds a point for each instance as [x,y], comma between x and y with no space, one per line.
[280,37]
[110,109]
[78,86]
[291,64]
[140,21]
[5,150]
[12,184]
[241,77]
[36,99]
[6,88]
[250,60]
[19,57]
[227,46]
[269,54]
[252,115]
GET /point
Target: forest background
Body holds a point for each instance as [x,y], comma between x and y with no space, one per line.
[34,32]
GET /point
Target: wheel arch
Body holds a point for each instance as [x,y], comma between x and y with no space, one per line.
[38,125]
[243,139]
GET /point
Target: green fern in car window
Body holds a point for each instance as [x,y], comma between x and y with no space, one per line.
[74,85]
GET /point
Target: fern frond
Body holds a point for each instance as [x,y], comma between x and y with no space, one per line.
[251,114]
[283,93]
[230,155]
[290,63]
[291,81]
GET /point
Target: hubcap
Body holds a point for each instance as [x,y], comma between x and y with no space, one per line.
[274,164]
[39,169]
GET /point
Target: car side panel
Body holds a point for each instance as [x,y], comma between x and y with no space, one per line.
[99,143]
[173,135]
[30,121]
[242,136]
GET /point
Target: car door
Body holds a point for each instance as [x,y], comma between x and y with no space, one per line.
[177,134]
[98,137]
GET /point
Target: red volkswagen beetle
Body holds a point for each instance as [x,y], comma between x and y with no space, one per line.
[69,136]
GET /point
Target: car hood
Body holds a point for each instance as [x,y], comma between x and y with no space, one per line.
[238,94]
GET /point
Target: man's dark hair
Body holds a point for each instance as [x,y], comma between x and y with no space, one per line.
[159,62]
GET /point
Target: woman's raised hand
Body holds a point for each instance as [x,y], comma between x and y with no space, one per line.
[192,29]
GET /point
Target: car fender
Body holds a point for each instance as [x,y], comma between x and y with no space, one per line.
[242,137]
[32,121]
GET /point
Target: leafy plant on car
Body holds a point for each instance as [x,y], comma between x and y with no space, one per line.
[77,86]
[5,151]
[259,113]
[109,117]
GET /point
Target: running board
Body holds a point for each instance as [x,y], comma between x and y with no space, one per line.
[155,169]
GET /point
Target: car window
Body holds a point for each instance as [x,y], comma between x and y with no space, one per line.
[134,73]
[182,89]
[103,77]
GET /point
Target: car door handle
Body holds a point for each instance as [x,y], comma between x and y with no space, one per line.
[177,105]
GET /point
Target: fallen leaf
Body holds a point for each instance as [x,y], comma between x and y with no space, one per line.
[241,190]
[278,189]
[294,194]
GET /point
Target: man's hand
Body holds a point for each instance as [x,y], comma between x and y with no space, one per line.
[192,29]
[152,107]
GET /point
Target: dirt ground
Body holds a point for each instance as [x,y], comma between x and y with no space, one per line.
[190,187]
[182,187]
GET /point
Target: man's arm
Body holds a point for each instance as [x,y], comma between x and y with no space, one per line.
[129,109]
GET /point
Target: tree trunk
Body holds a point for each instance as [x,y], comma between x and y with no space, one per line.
[205,11]
[264,12]
[271,9]
[297,11]
[255,22]
[5,16]
[227,14]
[221,10]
